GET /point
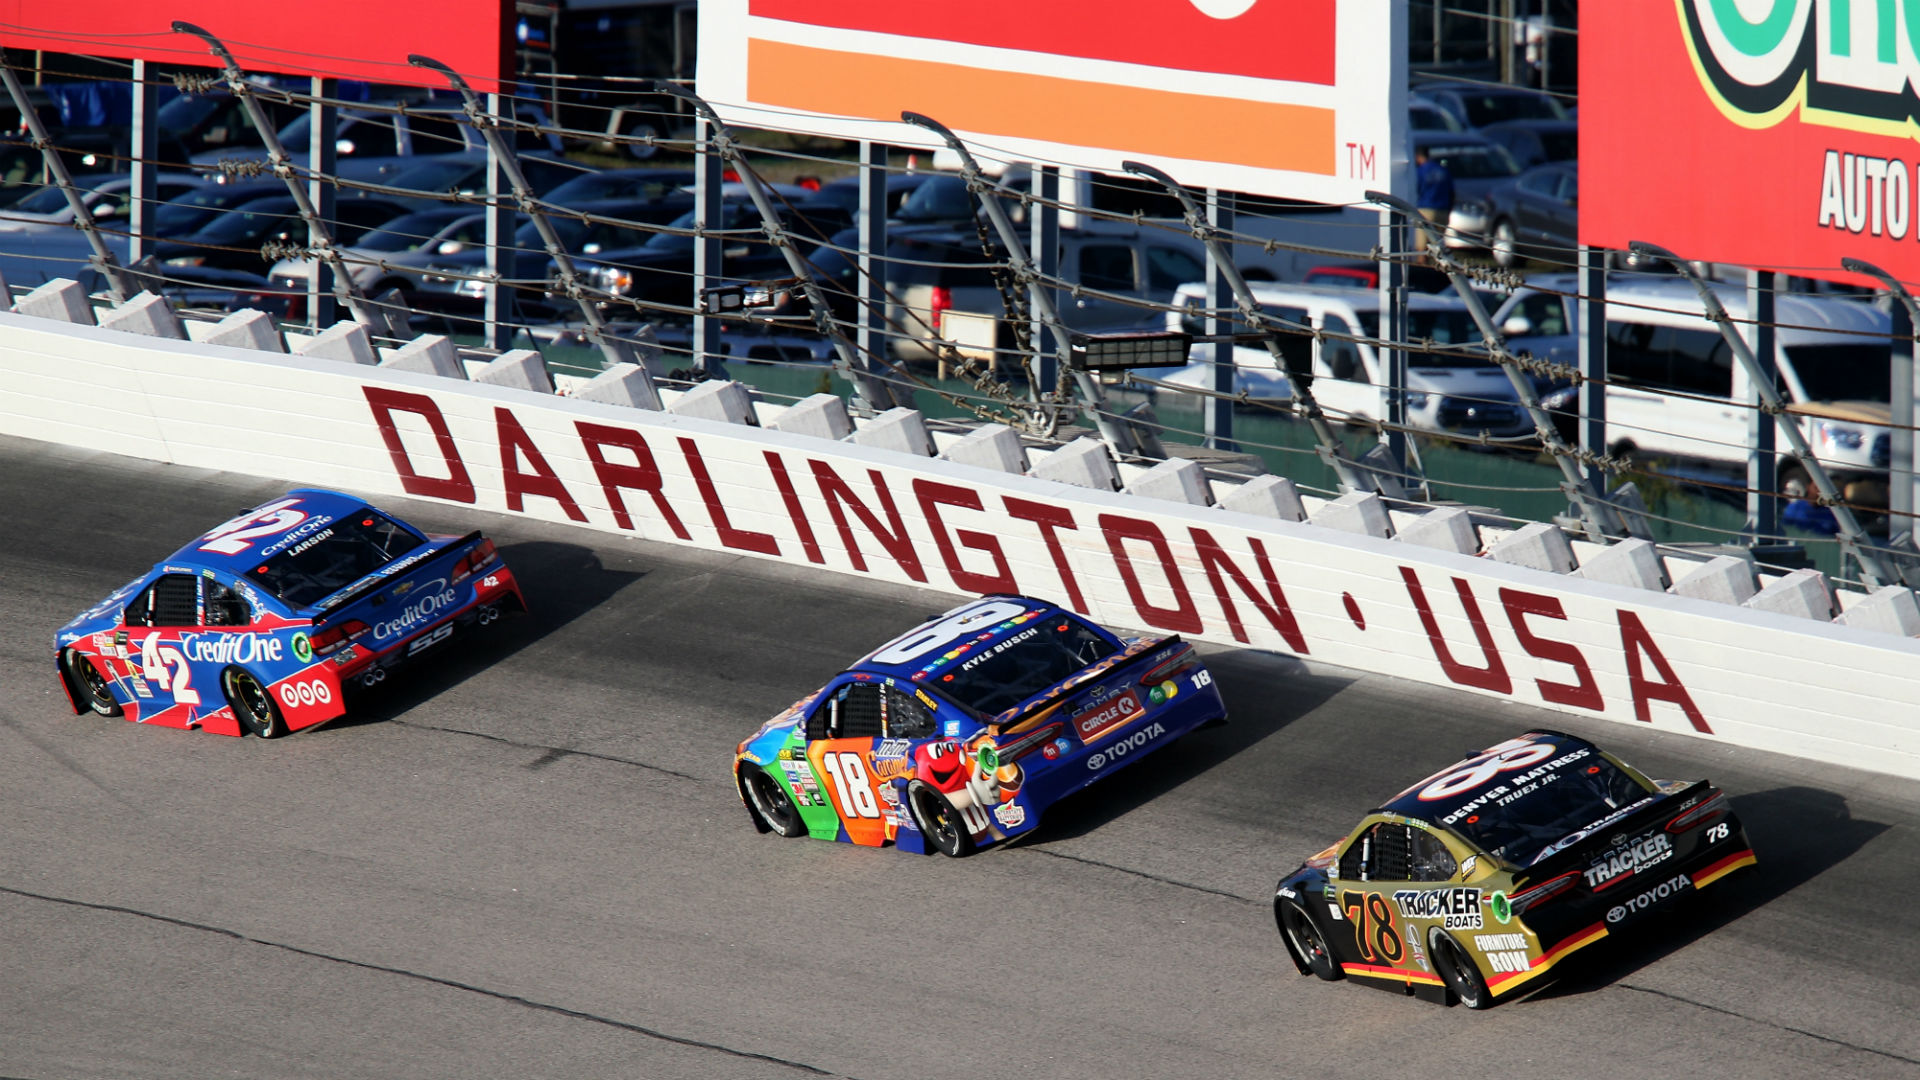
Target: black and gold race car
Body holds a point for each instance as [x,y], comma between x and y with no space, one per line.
[1478,880]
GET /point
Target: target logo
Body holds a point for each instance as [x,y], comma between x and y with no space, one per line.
[312,692]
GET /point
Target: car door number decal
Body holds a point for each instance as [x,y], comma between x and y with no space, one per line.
[1515,755]
[850,777]
[1373,928]
[165,667]
[238,535]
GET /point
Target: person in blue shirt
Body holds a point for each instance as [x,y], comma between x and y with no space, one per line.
[1434,198]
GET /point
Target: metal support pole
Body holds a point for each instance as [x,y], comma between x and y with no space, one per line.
[870,323]
[869,393]
[1763,471]
[118,281]
[323,154]
[1591,311]
[1602,523]
[503,255]
[1903,475]
[145,167]
[1045,184]
[1853,539]
[501,151]
[1331,450]
[708,173]
[1393,331]
[321,237]
[1219,408]
[1118,436]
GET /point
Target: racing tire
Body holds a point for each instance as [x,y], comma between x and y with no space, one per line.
[1458,970]
[1504,245]
[88,684]
[252,705]
[770,805]
[1307,942]
[938,821]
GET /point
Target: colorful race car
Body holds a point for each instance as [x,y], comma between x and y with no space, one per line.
[261,623]
[1478,880]
[961,732]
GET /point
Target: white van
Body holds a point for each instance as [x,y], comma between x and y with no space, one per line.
[1675,390]
[1456,392]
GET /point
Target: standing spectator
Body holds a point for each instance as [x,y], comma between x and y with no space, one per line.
[1435,199]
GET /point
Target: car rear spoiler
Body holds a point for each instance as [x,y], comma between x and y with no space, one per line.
[1578,852]
[1036,709]
[380,579]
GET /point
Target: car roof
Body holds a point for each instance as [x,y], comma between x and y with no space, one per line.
[1358,299]
[1801,319]
[989,634]
[1409,803]
[312,504]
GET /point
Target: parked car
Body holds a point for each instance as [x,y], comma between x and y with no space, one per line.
[1478,104]
[372,143]
[216,121]
[108,197]
[1675,391]
[1536,142]
[84,152]
[1428,116]
[370,259]
[440,179]
[845,191]
[647,185]
[1477,164]
[235,239]
[1538,214]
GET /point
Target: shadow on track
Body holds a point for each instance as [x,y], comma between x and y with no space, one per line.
[1798,833]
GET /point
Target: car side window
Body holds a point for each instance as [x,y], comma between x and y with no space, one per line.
[1428,859]
[1342,357]
[1170,268]
[906,717]
[851,712]
[1382,853]
[1108,267]
[224,606]
[1544,312]
[173,600]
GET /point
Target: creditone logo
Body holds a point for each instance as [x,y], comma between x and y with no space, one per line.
[1851,64]
[421,610]
[230,648]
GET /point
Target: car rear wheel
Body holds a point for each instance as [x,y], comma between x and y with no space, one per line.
[1458,969]
[91,685]
[772,806]
[939,822]
[1305,940]
[1506,247]
[252,705]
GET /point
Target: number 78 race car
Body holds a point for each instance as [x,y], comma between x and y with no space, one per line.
[1478,880]
[261,623]
[961,732]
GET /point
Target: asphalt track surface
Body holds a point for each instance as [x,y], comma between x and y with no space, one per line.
[527,860]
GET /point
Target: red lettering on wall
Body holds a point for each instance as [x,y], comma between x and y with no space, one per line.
[738,539]
[895,540]
[794,510]
[1278,613]
[642,475]
[933,495]
[515,443]
[456,486]
[1050,519]
[1494,675]
[1635,641]
[1183,617]
[1584,694]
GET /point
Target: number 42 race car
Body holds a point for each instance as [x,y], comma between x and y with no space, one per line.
[259,624]
[962,732]
[1476,881]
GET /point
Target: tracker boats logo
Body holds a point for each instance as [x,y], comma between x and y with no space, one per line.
[1850,64]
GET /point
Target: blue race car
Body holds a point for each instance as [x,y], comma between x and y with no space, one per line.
[260,624]
[961,732]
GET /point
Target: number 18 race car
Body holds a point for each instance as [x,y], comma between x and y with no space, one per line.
[259,624]
[1476,881]
[962,732]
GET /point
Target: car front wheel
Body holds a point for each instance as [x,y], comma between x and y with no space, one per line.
[1458,969]
[91,685]
[1306,941]
[772,806]
[252,705]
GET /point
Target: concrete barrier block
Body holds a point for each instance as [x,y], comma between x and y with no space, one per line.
[1360,512]
[904,430]
[147,313]
[430,354]
[1634,563]
[1084,462]
[1804,593]
[1722,579]
[1448,528]
[1267,496]
[1386,472]
[61,298]
[247,329]
[1176,480]
[995,446]
[823,416]
[1890,609]
[716,399]
[522,368]
[628,385]
[1538,545]
[347,342]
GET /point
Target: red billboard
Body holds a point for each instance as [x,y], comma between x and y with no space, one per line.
[339,39]
[1777,135]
